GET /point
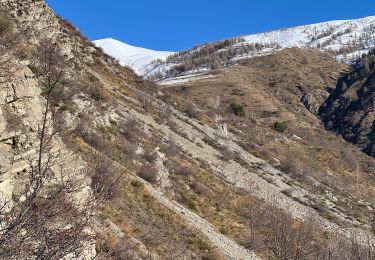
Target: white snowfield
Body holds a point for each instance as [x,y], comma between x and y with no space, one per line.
[331,35]
[357,36]
[135,57]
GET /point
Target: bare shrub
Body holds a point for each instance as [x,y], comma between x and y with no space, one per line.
[286,239]
[146,102]
[95,140]
[213,256]
[130,130]
[50,227]
[199,188]
[371,163]
[184,170]
[350,159]
[14,121]
[148,173]
[177,167]
[164,115]
[226,154]
[248,146]
[149,156]
[255,144]
[289,166]
[255,217]
[9,41]
[5,25]
[170,148]
[278,235]
[97,93]
[343,248]
[105,178]
[370,166]
[129,152]
[110,246]
[192,112]
[265,152]
[83,127]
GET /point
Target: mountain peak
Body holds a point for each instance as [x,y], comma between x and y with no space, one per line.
[132,56]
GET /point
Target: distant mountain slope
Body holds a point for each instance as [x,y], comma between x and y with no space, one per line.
[135,57]
[345,39]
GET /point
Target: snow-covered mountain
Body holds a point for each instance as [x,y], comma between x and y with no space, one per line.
[134,57]
[346,39]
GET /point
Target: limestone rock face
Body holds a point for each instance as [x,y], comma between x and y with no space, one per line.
[313,100]
[21,111]
[2,122]
[34,14]
[21,107]
[163,173]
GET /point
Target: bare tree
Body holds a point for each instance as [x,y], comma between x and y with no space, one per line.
[278,235]
[287,239]
[44,222]
[349,249]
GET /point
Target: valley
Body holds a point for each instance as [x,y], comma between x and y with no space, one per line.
[257,147]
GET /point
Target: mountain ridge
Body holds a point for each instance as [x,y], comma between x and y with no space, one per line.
[346,40]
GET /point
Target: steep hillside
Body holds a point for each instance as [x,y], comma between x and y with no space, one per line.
[130,219]
[120,169]
[134,57]
[349,109]
[269,104]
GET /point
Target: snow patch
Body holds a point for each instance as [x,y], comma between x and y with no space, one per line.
[135,57]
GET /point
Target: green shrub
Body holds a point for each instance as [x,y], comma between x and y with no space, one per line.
[148,173]
[97,93]
[191,205]
[253,121]
[279,127]
[136,184]
[237,109]
[5,25]
[35,69]
[25,52]
[202,245]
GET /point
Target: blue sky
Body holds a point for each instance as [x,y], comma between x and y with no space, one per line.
[177,24]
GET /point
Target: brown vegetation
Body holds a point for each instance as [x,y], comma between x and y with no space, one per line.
[279,125]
